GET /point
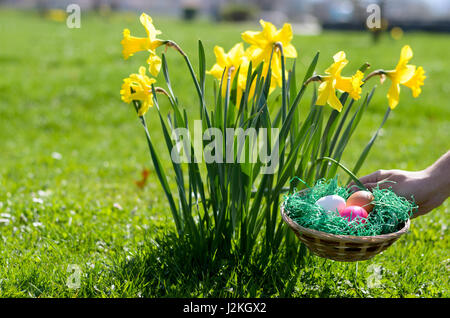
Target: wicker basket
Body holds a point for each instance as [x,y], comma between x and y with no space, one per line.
[343,248]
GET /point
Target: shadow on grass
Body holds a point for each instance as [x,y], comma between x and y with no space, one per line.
[166,267]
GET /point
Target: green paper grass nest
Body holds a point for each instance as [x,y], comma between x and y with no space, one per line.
[389,214]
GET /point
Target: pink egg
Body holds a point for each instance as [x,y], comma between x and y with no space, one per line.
[354,212]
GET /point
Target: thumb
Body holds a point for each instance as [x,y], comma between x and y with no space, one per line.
[375,177]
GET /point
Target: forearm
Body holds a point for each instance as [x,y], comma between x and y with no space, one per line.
[439,173]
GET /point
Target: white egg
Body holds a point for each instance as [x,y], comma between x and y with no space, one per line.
[331,203]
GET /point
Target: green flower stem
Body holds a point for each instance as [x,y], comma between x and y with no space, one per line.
[276,200]
[194,78]
[279,46]
[315,78]
[374,73]
[366,150]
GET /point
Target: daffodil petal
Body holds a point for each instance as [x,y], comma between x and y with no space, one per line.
[339,63]
[147,22]
[334,102]
[290,51]
[269,30]
[285,35]
[339,57]
[253,38]
[406,54]
[393,95]
[216,71]
[236,54]
[323,93]
[221,57]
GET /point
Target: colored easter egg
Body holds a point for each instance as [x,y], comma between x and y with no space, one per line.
[361,198]
[331,203]
[354,212]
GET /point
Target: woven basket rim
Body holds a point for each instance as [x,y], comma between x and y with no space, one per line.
[344,238]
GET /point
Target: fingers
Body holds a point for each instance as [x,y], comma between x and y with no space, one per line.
[369,186]
[370,181]
[375,177]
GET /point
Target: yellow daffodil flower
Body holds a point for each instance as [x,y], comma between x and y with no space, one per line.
[230,62]
[227,61]
[262,44]
[138,87]
[334,81]
[404,74]
[132,44]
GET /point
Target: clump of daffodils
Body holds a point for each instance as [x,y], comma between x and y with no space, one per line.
[224,209]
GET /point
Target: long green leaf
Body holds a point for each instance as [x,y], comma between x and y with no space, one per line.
[351,174]
[367,148]
[162,178]
[202,66]
[349,132]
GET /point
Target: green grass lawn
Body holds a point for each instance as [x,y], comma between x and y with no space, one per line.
[71,152]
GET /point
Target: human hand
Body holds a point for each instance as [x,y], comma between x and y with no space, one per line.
[423,185]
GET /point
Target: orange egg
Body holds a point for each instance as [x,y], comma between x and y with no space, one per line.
[361,198]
